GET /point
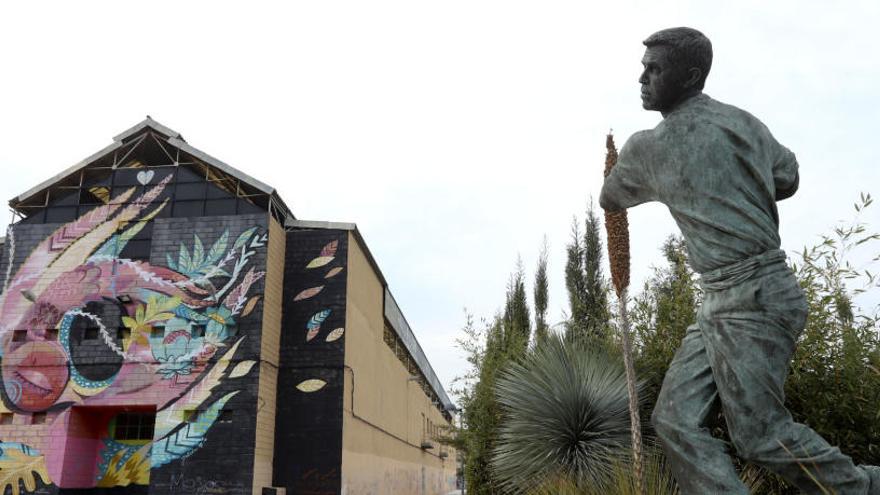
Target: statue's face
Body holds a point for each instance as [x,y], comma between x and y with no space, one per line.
[662,82]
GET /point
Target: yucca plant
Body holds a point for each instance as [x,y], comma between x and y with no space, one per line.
[565,416]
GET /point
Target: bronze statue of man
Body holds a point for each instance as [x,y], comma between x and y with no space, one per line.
[720,172]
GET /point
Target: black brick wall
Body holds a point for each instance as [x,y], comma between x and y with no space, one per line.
[308,426]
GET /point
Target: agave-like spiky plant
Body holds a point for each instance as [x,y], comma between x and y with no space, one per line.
[566,415]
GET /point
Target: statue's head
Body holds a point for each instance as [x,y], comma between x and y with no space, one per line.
[676,61]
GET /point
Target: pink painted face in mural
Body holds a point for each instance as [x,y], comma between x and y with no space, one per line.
[35,374]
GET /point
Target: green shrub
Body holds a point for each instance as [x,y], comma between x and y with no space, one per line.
[564,415]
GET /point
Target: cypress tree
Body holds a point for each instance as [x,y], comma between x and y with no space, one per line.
[541,296]
[585,282]
[517,321]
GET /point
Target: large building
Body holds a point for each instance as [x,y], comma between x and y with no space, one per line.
[167,326]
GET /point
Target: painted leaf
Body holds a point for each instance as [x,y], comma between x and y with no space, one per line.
[318,318]
[171,415]
[170,261]
[190,437]
[242,369]
[243,238]
[335,335]
[250,305]
[308,293]
[312,333]
[198,256]
[183,260]
[310,386]
[134,470]
[16,468]
[329,249]
[218,248]
[333,272]
[319,261]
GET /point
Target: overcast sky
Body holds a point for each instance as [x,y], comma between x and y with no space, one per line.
[456,134]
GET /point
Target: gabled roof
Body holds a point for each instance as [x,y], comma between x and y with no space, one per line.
[170,137]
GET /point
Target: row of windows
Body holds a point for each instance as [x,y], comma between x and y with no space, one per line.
[430,430]
[396,345]
[191,193]
[37,418]
[177,209]
[94,333]
[127,425]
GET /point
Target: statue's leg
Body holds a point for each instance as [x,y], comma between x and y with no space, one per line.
[750,331]
[687,399]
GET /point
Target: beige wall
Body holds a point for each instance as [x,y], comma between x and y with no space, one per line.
[384,412]
[269,344]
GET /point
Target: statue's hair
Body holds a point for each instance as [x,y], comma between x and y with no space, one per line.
[687,48]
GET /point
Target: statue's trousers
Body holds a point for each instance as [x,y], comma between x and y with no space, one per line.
[737,356]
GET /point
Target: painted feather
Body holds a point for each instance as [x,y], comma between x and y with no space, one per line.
[329,249]
[334,335]
[308,293]
[319,262]
[333,272]
[309,386]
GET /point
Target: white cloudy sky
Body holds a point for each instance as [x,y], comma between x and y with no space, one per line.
[456,134]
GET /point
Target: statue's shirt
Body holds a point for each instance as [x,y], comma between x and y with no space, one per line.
[718,170]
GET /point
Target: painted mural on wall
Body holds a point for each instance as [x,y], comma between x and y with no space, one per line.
[172,330]
[313,325]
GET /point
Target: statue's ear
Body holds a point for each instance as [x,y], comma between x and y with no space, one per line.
[694,74]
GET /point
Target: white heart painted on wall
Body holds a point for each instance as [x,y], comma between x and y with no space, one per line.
[144,177]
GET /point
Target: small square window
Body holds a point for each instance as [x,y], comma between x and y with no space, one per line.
[189,414]
[184,209]
[60,214]
[51,334]
[19,335]
[137,249]
[157,332]
[91,333]
[128,176]
[225,416]
[134,426]
[6,418]
[38,418]
[217,207]
[63,196]
[123,333]
[194,190]
[197,330]
[247,206]
[119,191]
[188,173]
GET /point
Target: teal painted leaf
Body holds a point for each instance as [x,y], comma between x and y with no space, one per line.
[181,442]
[243,238]
[318,318]
[198,256]
[110,248]
[184,263]
[171,263]
[218,248]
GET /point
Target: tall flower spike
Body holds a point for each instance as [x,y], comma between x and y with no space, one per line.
[617,226]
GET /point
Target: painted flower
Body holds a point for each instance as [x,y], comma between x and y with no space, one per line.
[174,354]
